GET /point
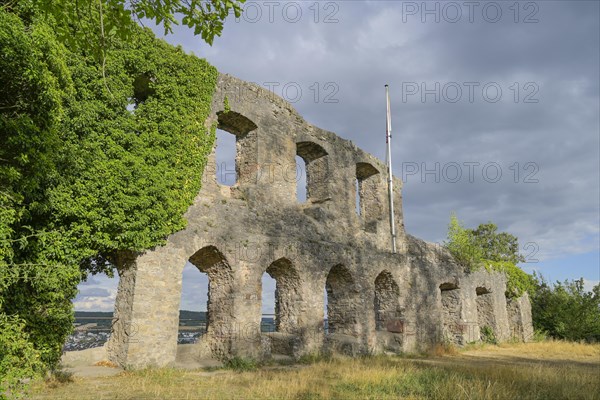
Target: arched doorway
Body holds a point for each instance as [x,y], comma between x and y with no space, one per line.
[387,303]
[452,327]
[342,302]
[219,308]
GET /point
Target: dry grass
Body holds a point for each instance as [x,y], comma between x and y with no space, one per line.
[549,349]
[552,370]
[106,363]
[442,349]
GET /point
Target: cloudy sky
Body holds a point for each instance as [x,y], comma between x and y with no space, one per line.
[495,111]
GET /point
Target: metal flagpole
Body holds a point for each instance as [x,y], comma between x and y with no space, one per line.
[388,141]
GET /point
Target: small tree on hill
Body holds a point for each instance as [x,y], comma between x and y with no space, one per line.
[486,247]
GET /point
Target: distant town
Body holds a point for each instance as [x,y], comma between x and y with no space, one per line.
[92,328]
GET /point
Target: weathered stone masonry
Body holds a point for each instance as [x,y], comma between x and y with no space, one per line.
[377,301]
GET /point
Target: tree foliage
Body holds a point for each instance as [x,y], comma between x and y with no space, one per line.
[462,245]
[36,284]
[496,246]
[19,360]
[96,159]
[487,248]
[95,24]
[566,311]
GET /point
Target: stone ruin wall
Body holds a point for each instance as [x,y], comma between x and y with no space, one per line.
[377,301]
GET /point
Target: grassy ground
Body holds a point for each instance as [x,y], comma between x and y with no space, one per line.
[547,370]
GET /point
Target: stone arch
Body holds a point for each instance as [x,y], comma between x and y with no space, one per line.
[485,308]
[452,328]
[370,205]
[386,302]
[342,301]
[317,170]
[246,143]
[287,292]
[220,292]
[235,123]
[193,298]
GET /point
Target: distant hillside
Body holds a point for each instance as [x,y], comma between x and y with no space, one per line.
[104,318]
[86,314]
[186,318]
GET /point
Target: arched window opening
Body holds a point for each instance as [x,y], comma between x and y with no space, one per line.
[387,303]
[236,149]
[485,313]
[225,158]
[317,171]
[357,197]
[142,89]
[235,123]
[94,306]
[193,305]
[300,180]
[368,203]
[219,305]
[285,290]
[268,317]
[342,300]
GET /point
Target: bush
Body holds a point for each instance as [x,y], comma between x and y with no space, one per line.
[314,358]
[240,364]
[566,311]
[19,360]
[487,335]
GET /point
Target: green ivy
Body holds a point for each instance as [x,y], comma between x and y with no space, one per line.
[135,147]
[36,284]
[518,281]
[95,160]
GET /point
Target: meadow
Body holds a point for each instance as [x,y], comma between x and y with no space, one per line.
[544,370]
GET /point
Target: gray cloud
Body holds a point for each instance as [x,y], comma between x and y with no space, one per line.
[93,292]
[371,45]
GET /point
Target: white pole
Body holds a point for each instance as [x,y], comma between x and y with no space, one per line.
[388,141]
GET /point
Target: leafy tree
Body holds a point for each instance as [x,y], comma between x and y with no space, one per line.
[95,23]
[566,311]
[463,245]
[497,246]
[96,160]
[36,286]
[487,248]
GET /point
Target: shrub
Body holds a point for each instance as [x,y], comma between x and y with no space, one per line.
[19,360]
[566,311]
[487,335]
[240,364]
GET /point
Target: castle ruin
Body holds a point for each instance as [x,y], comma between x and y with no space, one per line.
[377,301]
